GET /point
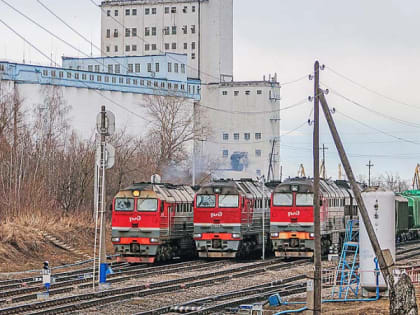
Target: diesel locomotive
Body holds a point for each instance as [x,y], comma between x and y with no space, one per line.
[152,222]
[229,218]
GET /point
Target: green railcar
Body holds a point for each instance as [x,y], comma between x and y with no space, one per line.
[407,215]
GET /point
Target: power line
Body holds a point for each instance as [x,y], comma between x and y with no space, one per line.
[84,83]
[294,81]
[371,90]
[376,129]
[397,120]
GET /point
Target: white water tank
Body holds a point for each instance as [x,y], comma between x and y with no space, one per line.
[380,204]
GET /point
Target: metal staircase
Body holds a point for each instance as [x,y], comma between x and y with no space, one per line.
[347,277]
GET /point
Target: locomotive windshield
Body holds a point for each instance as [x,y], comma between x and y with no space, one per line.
[124,204]
[304,199]
[283,199]
[228,201]
[147,205]
[206,201]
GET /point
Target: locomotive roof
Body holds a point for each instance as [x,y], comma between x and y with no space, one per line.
[248,187]
[168,192]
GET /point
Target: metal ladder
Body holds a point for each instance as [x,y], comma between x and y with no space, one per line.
[347,277]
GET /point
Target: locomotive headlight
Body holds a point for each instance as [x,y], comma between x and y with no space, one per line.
[275,234]
[198,235]
[236,235]
[154,240]
[115,239]
[312,235]
[136,193]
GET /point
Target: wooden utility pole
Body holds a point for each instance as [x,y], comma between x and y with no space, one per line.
[370,165]
[317,224]
[358,196]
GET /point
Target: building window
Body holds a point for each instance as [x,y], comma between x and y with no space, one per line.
[162,85]
[167,46]
[175,67]
[149,67]
[108,33]
[130,68]
[68,75]
[108,49]
[193,56]
[108,13]
[225,136]
[90,68]
[183,68]
[169,85]
[106,79]
[224,93]
[127,12]
[99,78]
[76,76]
[117,68]
[257,152]
[176,86]
[169,67]
[91,77]
[121,80]
[258,136]
[115,32]
[166,30]
[110,68]
[127,81]
[193,8]
[173,10]
[225,153]
[83,76]
[134,47]
[127,47]
[173,30]
[116,12]
[183,87]
[154,47]
[137,67]
[258,172]
[127,32]
[173,45]
[141,82]
[236,93]
[185,9]
[153,31]
[97,68]
[193,29]
[149,83]
[193,45]
[114,80]
[115,48]
[185,45]
[185,29]
[247,92]
[146,31]
[147,11]
[147,47]
[153,10]
[236,136]
[157,68]
[247,136]
[156,84]
[259,92]
[134,12]
[166,10]
[134,32]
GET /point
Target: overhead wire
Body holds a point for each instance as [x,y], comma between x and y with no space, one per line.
[84,83]
[371,90]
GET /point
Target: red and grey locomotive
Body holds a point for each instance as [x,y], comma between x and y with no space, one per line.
[228,218]
[152,222]
[292,216]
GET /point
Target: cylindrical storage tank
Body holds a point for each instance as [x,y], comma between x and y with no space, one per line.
[380,205]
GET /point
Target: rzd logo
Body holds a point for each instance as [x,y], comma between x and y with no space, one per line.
[296,213]
[138,218]
[217,214]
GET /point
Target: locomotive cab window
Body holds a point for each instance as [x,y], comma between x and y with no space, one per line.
[206,201]
[124,204]
[228,201]
[304,199]
[147,205]
[283,199]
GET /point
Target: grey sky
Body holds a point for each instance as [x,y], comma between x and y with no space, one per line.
[374,42]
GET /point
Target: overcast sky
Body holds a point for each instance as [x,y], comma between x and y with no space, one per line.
[375,43]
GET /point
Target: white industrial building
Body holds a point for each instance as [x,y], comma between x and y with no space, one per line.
[242,117]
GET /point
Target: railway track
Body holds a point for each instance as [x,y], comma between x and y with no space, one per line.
[83,301]
[234,298]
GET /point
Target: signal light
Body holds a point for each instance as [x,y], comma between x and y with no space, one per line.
[236,235]
[115,239]
[154,240]
[136,193]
